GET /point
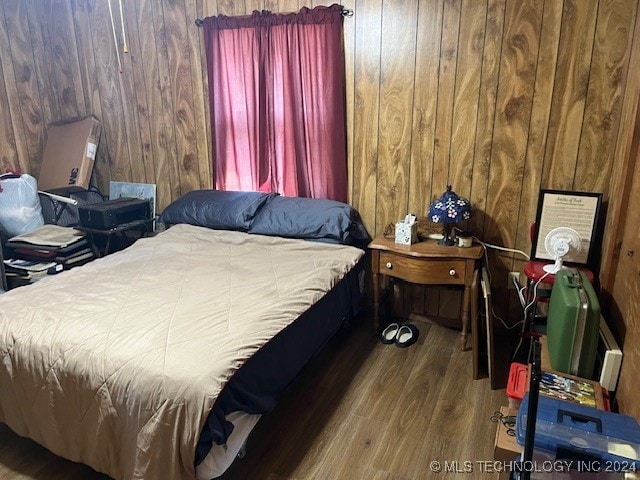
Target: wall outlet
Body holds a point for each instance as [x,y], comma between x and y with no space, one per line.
[513,280]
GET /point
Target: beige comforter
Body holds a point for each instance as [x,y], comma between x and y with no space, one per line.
[116,364]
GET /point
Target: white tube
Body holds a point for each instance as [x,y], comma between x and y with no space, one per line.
[60,198]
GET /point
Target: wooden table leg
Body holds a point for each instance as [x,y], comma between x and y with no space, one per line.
[475,323]
[465,318]
[376,302]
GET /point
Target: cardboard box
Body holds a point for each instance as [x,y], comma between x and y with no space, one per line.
[69,153]
[506,446]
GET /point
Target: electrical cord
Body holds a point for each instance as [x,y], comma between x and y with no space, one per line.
[504,249]
[526,309]
[532,301]
[485,246]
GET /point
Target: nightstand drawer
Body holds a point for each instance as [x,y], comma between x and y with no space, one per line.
[423,270]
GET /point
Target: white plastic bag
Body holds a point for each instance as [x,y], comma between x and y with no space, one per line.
[20,210]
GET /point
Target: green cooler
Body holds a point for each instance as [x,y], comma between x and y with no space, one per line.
[573,324]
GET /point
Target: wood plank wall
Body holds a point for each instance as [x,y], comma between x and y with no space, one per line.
[498,98]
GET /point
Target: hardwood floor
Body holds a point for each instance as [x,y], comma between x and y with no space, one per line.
[361,410]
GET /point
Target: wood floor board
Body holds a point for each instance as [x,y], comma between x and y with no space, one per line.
[373,474]
[360,410]
[411,415]
[392,367]
[451,413]
[350,454]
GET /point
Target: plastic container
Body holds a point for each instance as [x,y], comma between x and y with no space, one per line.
[517,384]
[574,431]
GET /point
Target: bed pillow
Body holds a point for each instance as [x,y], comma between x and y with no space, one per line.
[311,219]
[217,209]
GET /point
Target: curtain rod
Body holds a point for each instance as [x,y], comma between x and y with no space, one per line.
[344,11]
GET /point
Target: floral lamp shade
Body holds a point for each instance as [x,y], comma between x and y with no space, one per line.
[449,209]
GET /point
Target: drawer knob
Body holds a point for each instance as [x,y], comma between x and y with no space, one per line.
[389,265]
[452,272]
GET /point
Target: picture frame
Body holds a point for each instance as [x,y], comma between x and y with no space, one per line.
[580,211]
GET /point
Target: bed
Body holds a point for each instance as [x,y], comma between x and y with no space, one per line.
[158,360]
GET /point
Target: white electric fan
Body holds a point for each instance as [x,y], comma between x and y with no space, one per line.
[559,242]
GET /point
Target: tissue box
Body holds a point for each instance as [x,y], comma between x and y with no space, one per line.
[406,233]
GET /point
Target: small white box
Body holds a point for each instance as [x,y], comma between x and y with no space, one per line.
[406,233]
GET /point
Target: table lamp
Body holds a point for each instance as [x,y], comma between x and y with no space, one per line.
[449,209]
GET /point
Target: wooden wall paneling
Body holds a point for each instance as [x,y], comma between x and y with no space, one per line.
[431,301]
[251,5]
[609,63]
[570,91]
[396,99]
[167,130]
[205,99]
[349,42]
[209,8]
[64,60]
[284,6]
[114,126]
[368,24]
[26,83]
[182,95]
[152,55]
[200,101]
[514,99]
[538,127]
[463,114]
[534,159]
[466,100]
[513,111]
[230,7]
[41,51]
[41,16]
[446,95]
[135,131]
[272,6]
[492,52]
[17,154]
[416,300]
[8,152]
[428,39]
[536,142]
[626,297]
[450,303]
[91,86]
[621,171]
[142,156]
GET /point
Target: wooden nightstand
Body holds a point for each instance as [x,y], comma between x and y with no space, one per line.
[428,263]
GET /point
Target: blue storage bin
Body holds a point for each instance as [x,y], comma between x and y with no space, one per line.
[580,432]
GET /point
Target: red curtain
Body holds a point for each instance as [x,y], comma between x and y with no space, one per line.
[277,97]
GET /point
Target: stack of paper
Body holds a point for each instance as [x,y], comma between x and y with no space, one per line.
[28,269]
[52,245]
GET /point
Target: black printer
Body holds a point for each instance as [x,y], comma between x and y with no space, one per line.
[110,214]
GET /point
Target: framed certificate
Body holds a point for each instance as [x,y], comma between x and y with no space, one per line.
[577,210]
